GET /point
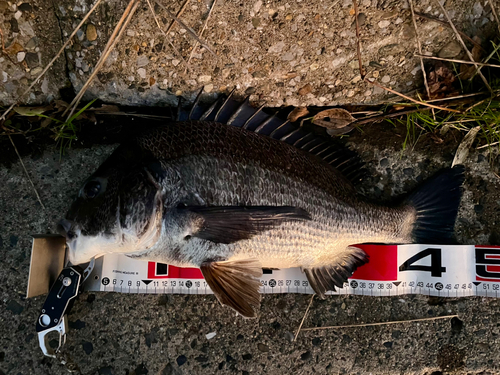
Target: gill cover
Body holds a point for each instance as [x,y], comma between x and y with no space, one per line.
[118,209]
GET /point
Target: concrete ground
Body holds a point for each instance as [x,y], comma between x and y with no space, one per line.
[273,50]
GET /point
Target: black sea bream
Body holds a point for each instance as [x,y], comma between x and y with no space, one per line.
[231,190]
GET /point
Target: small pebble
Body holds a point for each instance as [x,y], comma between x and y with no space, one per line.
[343,306]
[142,60]
[384,24]
[130,32]
[477,10]
[257,6]
[262,347]
[209,88]
[141,72]
[351,93]
[204,79]
[210,335]
[451,50]
[386,79]
[175,62]
[91,32]
[18,15]
[20,56]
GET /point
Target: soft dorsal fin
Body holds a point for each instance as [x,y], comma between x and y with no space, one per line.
[240,113]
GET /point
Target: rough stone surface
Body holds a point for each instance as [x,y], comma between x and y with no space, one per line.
[118,334]
[23,27]
[275,48]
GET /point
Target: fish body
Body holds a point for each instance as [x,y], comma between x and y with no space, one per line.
[231,201]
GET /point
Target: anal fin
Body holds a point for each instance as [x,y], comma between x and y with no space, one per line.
[326,278]
[235,284]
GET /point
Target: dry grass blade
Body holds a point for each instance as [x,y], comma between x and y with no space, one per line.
[179,13]
[113,39]
[413,100]
[420,52]
[202,30]
[458,61]
[165,34]
[488,145]
[358,39]
[493,10]
[188,29]
[459,37]
[26,172]
[382,323]
[304,318]
[435,19]
[82,22]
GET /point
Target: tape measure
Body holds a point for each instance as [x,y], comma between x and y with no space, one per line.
[434,270]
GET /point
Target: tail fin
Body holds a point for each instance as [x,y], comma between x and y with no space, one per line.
[436,203]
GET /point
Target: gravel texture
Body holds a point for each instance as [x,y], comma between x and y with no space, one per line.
[293,53]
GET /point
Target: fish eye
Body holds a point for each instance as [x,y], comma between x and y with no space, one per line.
[92,189]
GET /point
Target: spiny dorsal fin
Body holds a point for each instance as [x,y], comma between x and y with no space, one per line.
[235,284]
[241,114]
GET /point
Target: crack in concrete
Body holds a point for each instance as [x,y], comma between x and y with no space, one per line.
[61,30]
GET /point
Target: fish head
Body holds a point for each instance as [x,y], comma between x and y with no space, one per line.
[118,210]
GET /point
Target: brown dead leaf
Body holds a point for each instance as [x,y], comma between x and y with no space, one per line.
[441,81]
[297,113]
[335,120]
[305,89]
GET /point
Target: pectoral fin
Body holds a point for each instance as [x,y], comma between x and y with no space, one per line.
[234,223]
[235,284]
[323,279]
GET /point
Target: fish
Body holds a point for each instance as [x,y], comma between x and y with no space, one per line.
[231,189]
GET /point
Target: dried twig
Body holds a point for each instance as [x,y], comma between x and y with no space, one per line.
[494,14]
[179,13]
[113,39]
[201,32]
[411,99]
[26,172]
[165,34]
[189,30]
[420,52]
[382,323]
[358,44]
[488,145]
[435,19]
[304,318]
[457,61]
[53,60]
[459,37]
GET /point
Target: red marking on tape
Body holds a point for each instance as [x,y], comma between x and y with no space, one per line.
[382,265]
[173,272]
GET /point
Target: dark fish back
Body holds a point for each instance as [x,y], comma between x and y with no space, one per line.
[180,139]
[240,113]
